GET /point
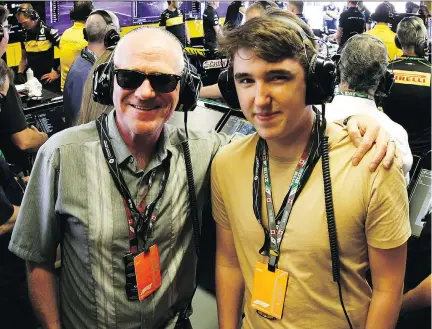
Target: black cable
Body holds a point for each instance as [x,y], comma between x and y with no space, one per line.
[331,223]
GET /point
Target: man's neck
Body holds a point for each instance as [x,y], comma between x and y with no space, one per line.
[97,48]
[343,86]
[409,52]
[292,146]
[141,146]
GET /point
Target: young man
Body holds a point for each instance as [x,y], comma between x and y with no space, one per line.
[270,60]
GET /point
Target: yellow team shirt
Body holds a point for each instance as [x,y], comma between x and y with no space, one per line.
[71,43]
[370,209]
[387,36]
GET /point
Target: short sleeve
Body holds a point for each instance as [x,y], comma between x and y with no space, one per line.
[53,36]
[36,234]
[342,20]
[162,20]
[387,222]
[218,206]
[12,119]
[213,18]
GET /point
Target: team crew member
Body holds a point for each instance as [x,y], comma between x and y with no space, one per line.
[174,20]
[234,14]
[282,265]
[296,7]
[211,25]
[358,88]
[15,136]
[72,40]
[37,47]
[100,25]
[331,15]
[409,103]
[366,13]
[411,7]
[351,22]
[382,16]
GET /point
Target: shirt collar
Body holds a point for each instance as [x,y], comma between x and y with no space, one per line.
[123,153]
[78,24]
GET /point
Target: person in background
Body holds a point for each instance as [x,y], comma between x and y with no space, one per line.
[15,308]
[72,40]
[274,255]
[258,8]
[91,110]
[382,16]
[174,21]
[296,7]
[411,8]
[330,15]
[358,88]
[211,25]
[37,48]
[409,102]
[234,15]
[96,29]
[366,13]
[16,138]
[351,22]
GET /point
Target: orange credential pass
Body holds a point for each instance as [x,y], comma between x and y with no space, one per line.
[269,288]
[148,274]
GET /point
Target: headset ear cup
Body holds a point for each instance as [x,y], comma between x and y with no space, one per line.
[397,42]
[85,34]
[386,83]
[421,47]
[190,86]
[103,77]
[112,37]
[320,81]
[227,88]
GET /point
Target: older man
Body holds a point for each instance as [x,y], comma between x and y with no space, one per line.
[72,199]
[358,88]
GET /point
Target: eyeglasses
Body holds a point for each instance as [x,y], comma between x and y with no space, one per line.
[160,82]
[2,98]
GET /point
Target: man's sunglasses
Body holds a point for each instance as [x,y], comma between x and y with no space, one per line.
[160,82]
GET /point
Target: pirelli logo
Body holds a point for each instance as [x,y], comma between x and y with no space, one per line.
[412,78]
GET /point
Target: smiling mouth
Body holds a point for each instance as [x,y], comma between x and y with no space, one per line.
[144,108]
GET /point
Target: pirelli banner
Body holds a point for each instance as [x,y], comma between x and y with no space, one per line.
[412,78]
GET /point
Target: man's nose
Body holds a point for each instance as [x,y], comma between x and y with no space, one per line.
[145,91]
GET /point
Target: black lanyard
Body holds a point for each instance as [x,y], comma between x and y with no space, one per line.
[354,94]
[139,222]
[278,223]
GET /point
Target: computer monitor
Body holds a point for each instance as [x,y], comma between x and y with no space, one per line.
[420,199]
[49,119]
[237,124]
[57,12]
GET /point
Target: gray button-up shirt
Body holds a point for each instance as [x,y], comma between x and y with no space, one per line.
[71,199]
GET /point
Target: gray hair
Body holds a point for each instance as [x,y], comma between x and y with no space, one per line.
[97,28]
[363,63]
[410,30]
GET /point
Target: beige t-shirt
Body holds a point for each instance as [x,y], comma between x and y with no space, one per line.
[370,209]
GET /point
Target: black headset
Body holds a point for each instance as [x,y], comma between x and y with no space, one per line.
[112,37]
[386,81]
[421,44]
[29,13]
[320,78]
[190,84]
[82,12]
[381,16]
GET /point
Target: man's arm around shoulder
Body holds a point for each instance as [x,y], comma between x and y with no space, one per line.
[29,139]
